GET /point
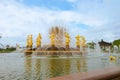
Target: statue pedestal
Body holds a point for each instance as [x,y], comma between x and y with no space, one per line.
[53,48]
[67,47]
[38,47]
[78,47]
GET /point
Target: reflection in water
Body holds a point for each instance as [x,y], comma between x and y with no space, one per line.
[66,66]
[15,66]
[55,67]
[43,68]
[28,66]
[81,65]
[37,68]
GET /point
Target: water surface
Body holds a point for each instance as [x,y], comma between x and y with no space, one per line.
[17,66]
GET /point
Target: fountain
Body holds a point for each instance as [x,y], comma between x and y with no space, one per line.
[38,41]
[97,48]
[67,40]
[57,35]
[78,42]
[64,59]
[29,44]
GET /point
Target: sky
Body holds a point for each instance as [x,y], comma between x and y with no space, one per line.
[93,19]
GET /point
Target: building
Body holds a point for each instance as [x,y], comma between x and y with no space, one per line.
[105,45]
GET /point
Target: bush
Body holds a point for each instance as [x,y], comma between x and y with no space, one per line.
[7,50]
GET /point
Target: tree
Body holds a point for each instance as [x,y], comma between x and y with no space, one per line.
[117,43]
[91,45]
[7,46]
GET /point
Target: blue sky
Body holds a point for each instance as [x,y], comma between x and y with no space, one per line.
[51,4]
[94,19]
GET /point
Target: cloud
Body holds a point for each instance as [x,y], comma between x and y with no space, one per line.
[73,1]
[17,20]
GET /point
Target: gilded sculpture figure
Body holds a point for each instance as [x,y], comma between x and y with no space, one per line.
[83,41]
[27,45]
[29,41]
[52,39]
[67,39]
[78,42]
[38,40]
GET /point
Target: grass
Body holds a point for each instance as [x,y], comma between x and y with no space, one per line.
[8,50]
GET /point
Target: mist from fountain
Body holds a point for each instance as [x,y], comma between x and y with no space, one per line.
[109,50]
[96,52]
[88,49]
[97,48]
[115,49]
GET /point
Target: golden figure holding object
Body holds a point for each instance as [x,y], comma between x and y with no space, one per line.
[52,39]
[78,41]
[38,40]
[67,39]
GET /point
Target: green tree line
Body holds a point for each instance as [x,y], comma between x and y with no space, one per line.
[114,43]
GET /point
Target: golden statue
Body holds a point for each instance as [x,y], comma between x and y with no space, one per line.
[112,58]
[52,39]
[27,41]
[83,41]
[78,40]
[67,39]
[38,40]
[30,41]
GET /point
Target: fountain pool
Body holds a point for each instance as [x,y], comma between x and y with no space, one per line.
[17,66]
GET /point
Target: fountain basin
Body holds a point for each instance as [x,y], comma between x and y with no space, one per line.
[18,66]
